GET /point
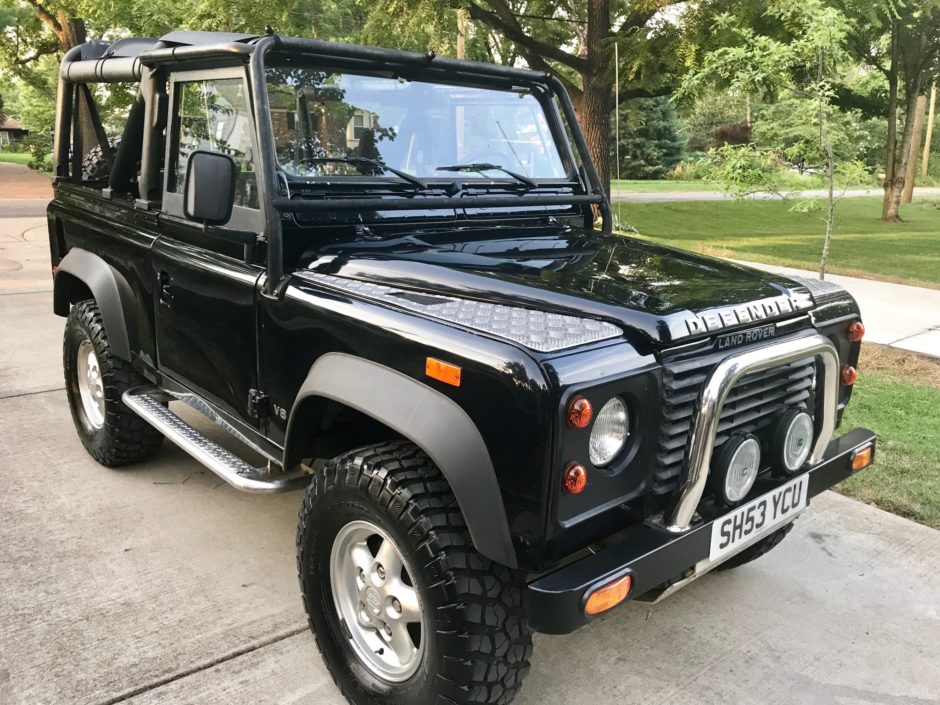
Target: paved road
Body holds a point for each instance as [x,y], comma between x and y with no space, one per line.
[158,584]
[666,197]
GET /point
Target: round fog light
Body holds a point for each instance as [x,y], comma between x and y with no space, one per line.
[736,467]
[793,440]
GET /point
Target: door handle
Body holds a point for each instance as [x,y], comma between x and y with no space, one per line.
[166,296]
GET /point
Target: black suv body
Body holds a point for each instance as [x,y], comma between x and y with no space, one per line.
[380,272]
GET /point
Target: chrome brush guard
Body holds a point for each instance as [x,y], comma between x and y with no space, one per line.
[712,397]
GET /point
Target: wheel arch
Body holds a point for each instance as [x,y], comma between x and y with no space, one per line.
[81,273]
[424,416]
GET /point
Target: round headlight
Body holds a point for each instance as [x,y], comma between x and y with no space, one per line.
[736,467]
[793,440]
[609,433]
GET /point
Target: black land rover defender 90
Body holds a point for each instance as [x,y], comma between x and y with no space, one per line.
[379,270]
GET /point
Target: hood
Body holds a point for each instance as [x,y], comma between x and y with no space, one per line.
[659,293]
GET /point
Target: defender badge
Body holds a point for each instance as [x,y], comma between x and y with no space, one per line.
[747,313]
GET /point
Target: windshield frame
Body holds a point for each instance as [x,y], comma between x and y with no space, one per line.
[274,195]
[546,101]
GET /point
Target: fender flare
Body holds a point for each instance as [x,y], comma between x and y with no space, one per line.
[427,418]
[106,285]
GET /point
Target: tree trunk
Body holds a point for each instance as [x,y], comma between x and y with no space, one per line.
[891,144]
[594,115]
[597,84]
[74,33]
[925,164]
[892,211]
[830,206]
[825,141]
[910,172]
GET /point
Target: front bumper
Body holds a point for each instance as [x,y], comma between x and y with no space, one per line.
[654,557]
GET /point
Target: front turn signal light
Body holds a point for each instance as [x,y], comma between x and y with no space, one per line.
[856,332]
[608,595]
[849,375]
[861,458]
[579,413]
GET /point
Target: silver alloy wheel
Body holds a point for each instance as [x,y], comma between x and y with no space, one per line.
[90,384]
[375,599]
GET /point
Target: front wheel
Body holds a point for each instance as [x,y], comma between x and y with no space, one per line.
[404,610]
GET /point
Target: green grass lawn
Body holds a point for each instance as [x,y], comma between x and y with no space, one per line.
[15,157]
[767,231]
[903,408]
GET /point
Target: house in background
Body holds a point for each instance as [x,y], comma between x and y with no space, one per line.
[11,131]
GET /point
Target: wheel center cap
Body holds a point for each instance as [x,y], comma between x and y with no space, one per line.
[373,600]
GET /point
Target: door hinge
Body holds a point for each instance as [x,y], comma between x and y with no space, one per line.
[258,404]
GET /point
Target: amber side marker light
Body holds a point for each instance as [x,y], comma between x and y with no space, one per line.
[442,371]
[580,412]
[861,458]
[856,332]
[849,375]
[608,595]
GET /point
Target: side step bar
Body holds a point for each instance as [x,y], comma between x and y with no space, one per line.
[146,402]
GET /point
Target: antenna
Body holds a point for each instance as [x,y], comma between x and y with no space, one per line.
[617,127]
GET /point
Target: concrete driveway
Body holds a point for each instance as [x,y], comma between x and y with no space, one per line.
[160,584]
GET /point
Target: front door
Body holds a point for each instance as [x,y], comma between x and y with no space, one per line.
[205,290]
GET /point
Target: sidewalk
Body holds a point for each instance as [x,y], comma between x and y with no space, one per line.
[902,316]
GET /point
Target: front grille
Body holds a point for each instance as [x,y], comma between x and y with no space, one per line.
[752,406]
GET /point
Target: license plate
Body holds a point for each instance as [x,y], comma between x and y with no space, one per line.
[747,524]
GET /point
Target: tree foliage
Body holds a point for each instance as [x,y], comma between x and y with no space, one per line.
[651,140]
[792,126]
[572,40]
[798,67]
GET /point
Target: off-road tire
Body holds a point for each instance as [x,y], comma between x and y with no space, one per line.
[478,643]
[124,437]
[754,552]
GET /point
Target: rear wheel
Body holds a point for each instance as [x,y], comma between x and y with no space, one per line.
[404,609]
[95,380]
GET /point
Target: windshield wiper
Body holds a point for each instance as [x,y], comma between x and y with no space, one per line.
[481,167]
[354,160]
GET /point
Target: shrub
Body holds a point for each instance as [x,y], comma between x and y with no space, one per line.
[39,146]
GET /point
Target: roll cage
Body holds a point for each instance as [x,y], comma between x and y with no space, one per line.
[142,60]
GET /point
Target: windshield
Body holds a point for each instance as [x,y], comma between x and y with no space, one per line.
[320,118]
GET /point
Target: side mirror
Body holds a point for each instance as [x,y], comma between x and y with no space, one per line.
[209,188]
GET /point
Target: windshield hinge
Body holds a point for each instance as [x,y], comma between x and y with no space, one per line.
[258,405]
